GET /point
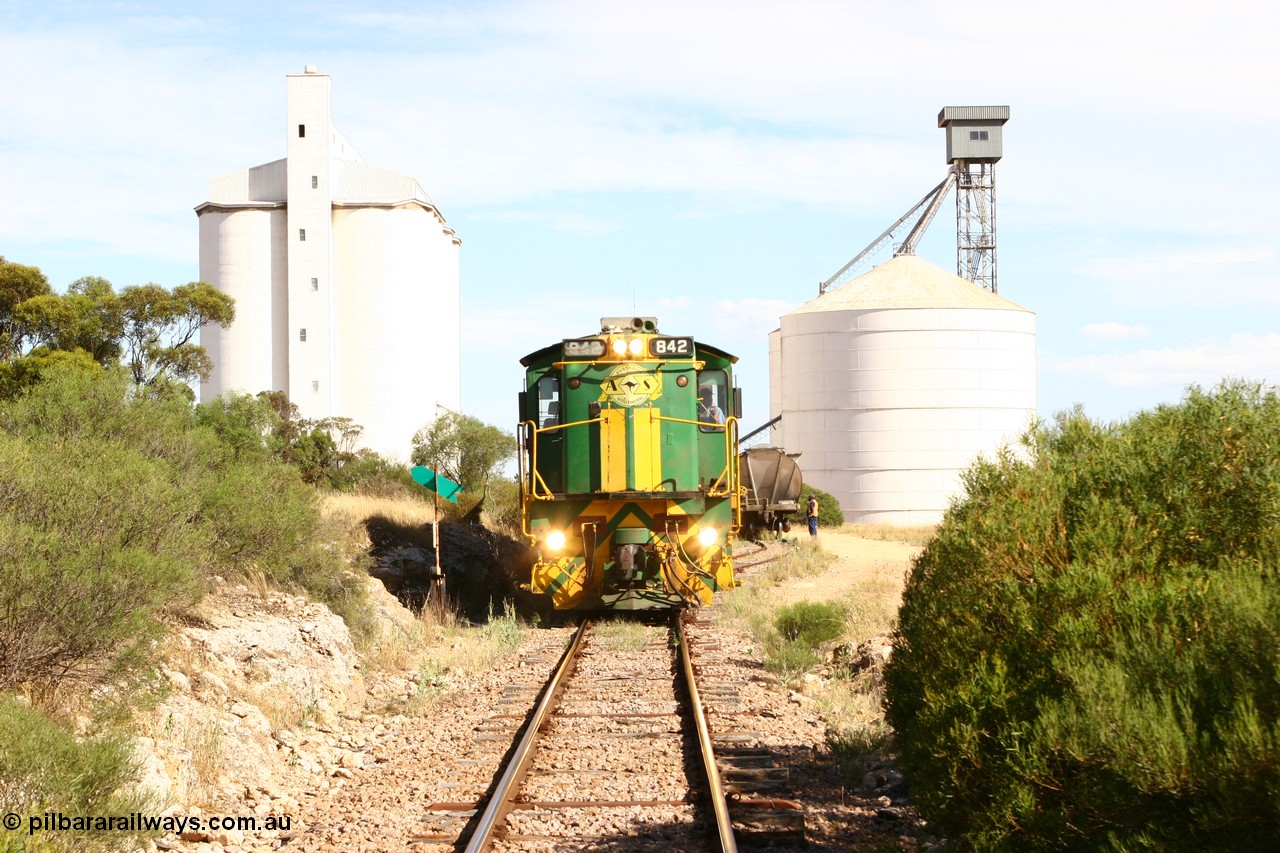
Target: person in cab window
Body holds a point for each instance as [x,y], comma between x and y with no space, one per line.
[708,411]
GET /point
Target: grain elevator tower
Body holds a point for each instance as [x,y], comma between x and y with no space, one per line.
[345,278]
[973,149]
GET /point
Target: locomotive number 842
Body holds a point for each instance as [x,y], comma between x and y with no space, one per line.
[629,474]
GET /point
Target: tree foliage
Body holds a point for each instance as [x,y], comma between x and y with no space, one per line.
[147,328]
[18,283]
[464,449]
[159,326]
[1086,653]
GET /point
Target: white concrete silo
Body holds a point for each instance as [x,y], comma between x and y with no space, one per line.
[891,385]
[346,282]
[243,253]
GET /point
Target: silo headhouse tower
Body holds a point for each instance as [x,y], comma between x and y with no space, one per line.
[345,278]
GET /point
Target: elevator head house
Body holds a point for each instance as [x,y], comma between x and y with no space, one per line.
[973,133]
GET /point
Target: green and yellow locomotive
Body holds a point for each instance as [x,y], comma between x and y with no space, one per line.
[629,469]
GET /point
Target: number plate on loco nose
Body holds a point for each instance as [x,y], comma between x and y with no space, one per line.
[671,347]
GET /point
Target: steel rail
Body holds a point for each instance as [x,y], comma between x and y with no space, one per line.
[499,803]
[724,826]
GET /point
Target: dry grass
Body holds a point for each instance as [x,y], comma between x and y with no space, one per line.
[856,727]
[621,635]
[458,651]
[345,515]
[397,648]
[200,737]
[204,740]
[443,651]
[917,535]
[357,508]
[803,560]
[285,711]
[871,609]
[852,707]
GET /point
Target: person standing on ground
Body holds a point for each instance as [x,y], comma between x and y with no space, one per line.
[813,516]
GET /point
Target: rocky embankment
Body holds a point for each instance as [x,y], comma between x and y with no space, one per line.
[268,705]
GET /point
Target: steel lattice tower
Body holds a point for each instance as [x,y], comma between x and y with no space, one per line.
[973,149]
[976,223]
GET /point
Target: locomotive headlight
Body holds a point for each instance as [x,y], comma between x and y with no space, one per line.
[555,540]
[636,346]
[708,536]
[619,346]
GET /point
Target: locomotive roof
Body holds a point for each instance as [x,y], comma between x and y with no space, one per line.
[553,349]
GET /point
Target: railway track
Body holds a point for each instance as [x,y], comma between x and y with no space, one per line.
[617,754]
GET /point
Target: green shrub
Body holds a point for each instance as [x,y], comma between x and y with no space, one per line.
[86,557]
[261,515]
[43,768]
[789,658]
[792,647]
[114,505]
[1086,650]
[811,622]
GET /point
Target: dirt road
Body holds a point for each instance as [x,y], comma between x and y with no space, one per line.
[860,565]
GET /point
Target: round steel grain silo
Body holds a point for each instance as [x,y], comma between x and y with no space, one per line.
[893,383]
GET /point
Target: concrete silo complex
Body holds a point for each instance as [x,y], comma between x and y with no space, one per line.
[345,278]
[891,384]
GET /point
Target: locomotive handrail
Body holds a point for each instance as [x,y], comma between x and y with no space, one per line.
[730,476]
[535,477]
[696,364]
[525,477]
[733,471]
[730,427]
[711,424]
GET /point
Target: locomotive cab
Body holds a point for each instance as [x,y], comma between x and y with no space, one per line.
[629,468]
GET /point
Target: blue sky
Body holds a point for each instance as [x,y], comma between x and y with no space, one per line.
[705,162]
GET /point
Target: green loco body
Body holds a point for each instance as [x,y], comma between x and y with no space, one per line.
[629,469]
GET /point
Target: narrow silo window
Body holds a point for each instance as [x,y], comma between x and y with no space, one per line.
[302,334]
[302,235]
[315,284]
[302,130]
[315,385]
[315,182]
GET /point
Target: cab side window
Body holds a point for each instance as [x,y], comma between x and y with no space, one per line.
[713,399]
[548,401]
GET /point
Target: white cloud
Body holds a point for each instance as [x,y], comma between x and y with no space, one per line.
[750,318]
[1114,331]
[1209,277]
[585,226]
[741,103]
[1247,356]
